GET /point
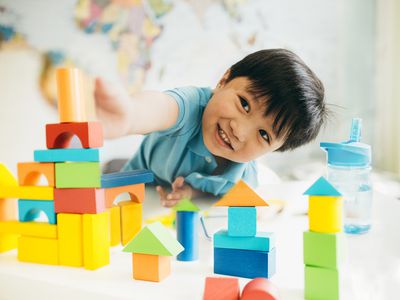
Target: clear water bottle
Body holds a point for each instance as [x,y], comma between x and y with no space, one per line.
[349,170]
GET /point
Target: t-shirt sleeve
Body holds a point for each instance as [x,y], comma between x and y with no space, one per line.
[189,101]
[219,185]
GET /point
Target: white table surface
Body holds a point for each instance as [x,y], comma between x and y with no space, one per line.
[372,269]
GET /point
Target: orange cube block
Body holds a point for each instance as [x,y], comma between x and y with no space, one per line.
[29,173]
[150,267]
[135,191]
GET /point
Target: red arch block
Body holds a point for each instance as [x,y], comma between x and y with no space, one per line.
[59,135]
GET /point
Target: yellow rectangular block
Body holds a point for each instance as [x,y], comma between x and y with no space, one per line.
[115,225]
[325,214]
[8,242]
[131,220]
[70,242]
[35,229]
[28,192]
[38,250]
[96,240]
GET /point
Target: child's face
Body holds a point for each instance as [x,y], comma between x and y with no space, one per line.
[234,126]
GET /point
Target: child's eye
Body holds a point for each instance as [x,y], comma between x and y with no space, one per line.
[264,135]
[245,104]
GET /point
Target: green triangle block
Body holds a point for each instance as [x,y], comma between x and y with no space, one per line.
[322,187]
[156,240]
[186,205]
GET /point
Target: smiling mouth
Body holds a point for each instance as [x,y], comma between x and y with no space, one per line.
[224,139]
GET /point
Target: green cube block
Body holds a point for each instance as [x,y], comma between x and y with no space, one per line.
[323,249]
[321,284]
[78,175]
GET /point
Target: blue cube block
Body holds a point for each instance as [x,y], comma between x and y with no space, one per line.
[262,241]
[68,154]
[244,263]
[242,221]
[29,210]
[187,228]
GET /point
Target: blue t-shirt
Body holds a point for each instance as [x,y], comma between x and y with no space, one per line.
[180,150]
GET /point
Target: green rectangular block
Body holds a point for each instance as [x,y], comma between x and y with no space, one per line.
[78,175]
[323,249]
[321,284]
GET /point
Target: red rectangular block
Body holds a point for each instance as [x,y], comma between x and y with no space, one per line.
[59,135]
[81,201]
[221,288]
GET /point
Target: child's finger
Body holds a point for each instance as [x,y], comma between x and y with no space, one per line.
[169,203]
[161,192]
[174,196]
[178,183]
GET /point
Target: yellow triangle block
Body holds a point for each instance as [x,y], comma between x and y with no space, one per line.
[241,195]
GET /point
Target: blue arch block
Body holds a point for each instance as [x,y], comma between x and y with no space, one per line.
[187,228]
[29,210]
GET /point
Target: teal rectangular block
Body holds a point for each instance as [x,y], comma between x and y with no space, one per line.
[323,249]
[78,175]
[68,154]
[321,284]
[262,241]
[242,221]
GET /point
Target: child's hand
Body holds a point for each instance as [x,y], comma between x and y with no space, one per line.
[112,108]
[179,190]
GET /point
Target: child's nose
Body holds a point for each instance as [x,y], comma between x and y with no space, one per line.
[239,131]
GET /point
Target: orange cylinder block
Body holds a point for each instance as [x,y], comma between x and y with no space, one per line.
[71,95]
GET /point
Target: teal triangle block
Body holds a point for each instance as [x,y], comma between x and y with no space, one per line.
[154,239]
[186,205]
[322,187]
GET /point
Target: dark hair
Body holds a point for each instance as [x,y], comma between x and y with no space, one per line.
[290,90]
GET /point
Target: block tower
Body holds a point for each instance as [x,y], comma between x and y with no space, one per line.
[241,250]
[78,200]
[323,243]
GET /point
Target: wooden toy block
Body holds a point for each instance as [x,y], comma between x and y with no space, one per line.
[187,228]
[186,204]
[136,192]
[241,195]
[69,154]
[115,225]
[8,209]
[78,175]
[242,221]
[321,283]
[27,192]
[131,220]
[325,214]
[29,173]
[324,250]
[8,242]
[34,229]
[126,178]
[29,210]
[6,177]
[150,267]
[260,289]
[156,240]
[79,200]
[71,95]
[262,241]
[244,263]
[96,240]
[221,288]
[70,241]
[59,135]
[322,187]
[38,250]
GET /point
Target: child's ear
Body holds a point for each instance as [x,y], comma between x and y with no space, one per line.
[224,78]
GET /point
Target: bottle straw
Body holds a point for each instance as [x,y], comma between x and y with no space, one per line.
[355,131]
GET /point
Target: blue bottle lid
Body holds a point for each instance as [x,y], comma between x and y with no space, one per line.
[351,153]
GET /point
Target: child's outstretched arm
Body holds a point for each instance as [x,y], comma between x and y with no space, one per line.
[143,113]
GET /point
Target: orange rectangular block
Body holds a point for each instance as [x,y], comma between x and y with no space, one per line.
[150,267]
[131,220]
[135,191]
[8,209]
[79,200]
[29,173]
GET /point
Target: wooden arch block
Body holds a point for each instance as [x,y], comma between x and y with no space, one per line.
[89,133]
[135,191]
[260,289]
[29,173]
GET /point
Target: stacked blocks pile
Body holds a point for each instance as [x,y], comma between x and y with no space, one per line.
[82,222]
[241,250]
[151,250]
[323,243]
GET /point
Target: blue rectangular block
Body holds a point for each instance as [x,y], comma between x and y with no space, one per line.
[187,228]
[69,154]
[126,178]
[244,263]
[242,221]
[262,241]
